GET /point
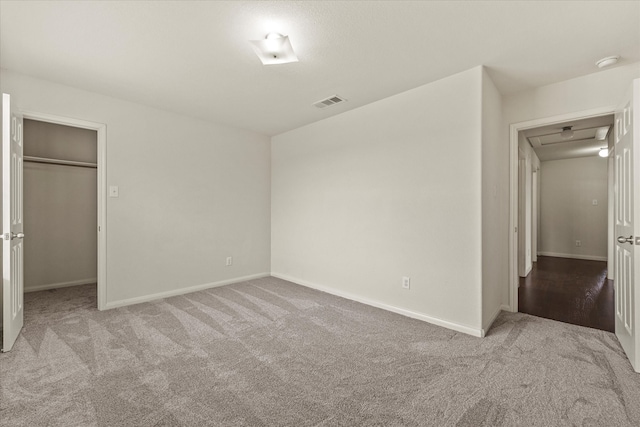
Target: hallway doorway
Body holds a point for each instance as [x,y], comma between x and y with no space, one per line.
[565,222]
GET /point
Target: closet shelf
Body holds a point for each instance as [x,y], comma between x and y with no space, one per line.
[60,162]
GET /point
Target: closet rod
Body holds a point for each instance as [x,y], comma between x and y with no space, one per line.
[60,162]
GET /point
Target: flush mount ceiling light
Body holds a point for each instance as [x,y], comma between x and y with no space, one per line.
[566,133]
[608,61]
[604,152]
[274,49]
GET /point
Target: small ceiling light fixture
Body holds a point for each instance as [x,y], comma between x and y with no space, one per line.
[274,49]
[608,61]
[604,152]
[566,133]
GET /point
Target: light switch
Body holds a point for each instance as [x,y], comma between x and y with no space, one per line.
[113,191]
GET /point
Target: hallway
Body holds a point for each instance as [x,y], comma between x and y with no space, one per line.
[569,290]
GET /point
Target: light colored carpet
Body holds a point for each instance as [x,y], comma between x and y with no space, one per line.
[270,353]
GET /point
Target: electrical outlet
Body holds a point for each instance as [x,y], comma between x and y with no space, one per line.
[406,282]
[578,243]
[229,261]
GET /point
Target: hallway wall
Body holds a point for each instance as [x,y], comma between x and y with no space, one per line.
[568,189]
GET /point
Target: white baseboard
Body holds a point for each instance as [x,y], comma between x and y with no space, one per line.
[573,256]
[429,319]
[60,285]
[181,291]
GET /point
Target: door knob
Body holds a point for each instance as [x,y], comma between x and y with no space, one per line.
[622,239]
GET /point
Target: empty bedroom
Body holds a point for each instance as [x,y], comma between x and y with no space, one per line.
[306,213]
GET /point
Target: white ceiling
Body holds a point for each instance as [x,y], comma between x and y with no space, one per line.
[194,58]
[582,144]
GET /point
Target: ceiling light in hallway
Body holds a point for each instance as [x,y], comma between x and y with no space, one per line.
[567,132]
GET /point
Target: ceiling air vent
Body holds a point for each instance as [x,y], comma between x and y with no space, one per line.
[328,102]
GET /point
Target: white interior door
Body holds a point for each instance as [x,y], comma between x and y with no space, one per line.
[627,218]
[12,227]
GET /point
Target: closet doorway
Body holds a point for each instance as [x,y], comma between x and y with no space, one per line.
[63,203]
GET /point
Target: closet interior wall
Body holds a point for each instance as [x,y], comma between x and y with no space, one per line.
[60,207]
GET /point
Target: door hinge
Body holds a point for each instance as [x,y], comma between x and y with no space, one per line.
[516,229]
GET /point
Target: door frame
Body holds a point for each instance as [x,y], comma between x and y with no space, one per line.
[535,173]
[522,207]
[101,130]
[514,128]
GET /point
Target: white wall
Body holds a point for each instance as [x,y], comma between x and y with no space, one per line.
[60,207]
[568,188]
[597,90]
[191,192]
[387,190]
[495,203]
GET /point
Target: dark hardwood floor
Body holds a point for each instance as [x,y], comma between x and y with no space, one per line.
[569,290]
